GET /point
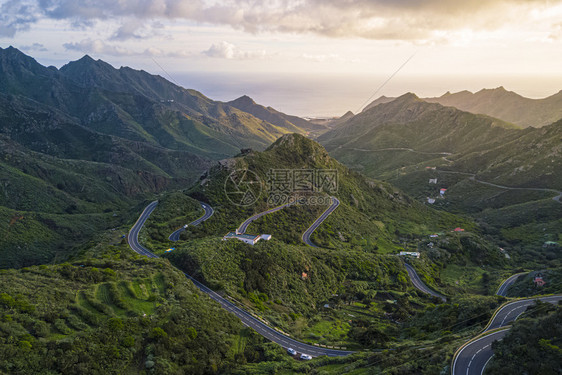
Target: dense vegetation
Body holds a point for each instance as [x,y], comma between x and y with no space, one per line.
[525,285]
[533,345]
[83,149]
[115,312]
[86,142]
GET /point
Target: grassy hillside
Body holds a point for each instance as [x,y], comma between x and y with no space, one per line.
[291,123]
[356,271]
[409,142]
[372,215]
[115,312]
[506,105]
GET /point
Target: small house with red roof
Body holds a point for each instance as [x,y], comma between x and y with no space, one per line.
[538,280]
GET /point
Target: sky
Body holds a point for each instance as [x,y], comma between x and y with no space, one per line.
[306,57]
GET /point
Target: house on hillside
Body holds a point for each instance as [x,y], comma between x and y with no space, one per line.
[538,280]
[413,254]
[250,239]
[432,180]
[442,191]
[458,229]
[550,244]
[430,200]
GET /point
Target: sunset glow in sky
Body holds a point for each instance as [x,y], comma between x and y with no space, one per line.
[515,43]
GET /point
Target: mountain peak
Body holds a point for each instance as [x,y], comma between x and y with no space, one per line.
[244,100]
[407,97]
[295,145]
[87,61]
[15,53]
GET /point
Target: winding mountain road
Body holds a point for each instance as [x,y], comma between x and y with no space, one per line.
[473,357]
[557,198]
[307,233]
[502,290]
[208,213]
[246,318]
[133,235]
[472,177]
[242,228]
[397,149]
[418,284]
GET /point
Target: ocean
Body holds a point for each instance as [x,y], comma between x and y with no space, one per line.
[332,95]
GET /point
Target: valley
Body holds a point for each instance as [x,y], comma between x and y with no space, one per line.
[404,239]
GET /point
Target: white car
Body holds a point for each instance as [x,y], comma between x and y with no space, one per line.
[185,226]
[291,351]
[305,357]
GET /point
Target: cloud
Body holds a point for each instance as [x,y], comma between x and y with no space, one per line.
[331,57]
[229,51]
[34,47]
[556,32]
[372,19]
[16,16]
[99,47]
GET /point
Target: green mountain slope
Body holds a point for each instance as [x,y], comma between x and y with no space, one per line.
[288,283]
[410,122]
[409,142]
[135,105]
[90,139]
[293,124]
[410,132]
[114,312]
[506,105]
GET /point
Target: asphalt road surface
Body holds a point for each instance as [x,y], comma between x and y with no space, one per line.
[246,318]
[418,284]
[510,312]
[502,290]
[307,233]
[473,358]
[208,213]
[242,228]
[133,236]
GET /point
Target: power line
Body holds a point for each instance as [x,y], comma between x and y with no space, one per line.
[385,82]
[164,70]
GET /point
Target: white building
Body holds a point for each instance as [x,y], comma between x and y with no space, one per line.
[414,254]
[251,239]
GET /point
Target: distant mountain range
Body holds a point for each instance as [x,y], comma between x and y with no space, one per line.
[297,124]
[476,143]
[503,176]
[90,139]
[500,103]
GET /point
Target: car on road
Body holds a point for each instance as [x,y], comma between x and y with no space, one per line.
[305,357]
[291,351]
[185,226]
